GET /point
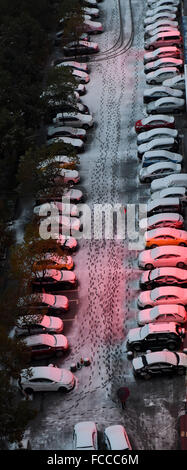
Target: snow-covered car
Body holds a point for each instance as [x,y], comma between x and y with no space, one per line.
[159,29]
[74,119]
[68,176]
[162,143]
[46,344]
[160,75]
[157,92]
[162,313]
[163,277]
[81,76]
[169,204]
[158,9]
[147,174]
[53,261]
[166,105]
[162,15]
[78,144]
[54,278]
[162,256]
[67,209]
[67,131]
[156,133]
[160,156]
[66,243]
[162,295]
[41,301]
[90,3]
[166,38]
[75,195]
[92,27]
[164,62]
[167,181]
[155,3]
[46,379]
[162,52]
[151,122]
[162,220]
[69,225]
[155,336]
[73,64]
[176,191]
[85,436]
[80,47]
[81,89]
[177,82]
[165,236]
[33,324]
[160,363]
[116,438]
[93,12]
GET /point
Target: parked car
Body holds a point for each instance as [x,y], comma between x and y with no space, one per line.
[92,27]
[164,143]
[159,363]
[151,122]
[68,176]
[169,204]
[160,91]
[163,277]
[154,3]
[155,336]
[73,64]
[46,344]
[159,29]
[80,76]
[156,133]
[69,226]
[90,3]
[159,16]
[162,220]
[81,89]
[166,38]
[147,174]
[78,144]
[54,303]
[156,156]
[162,313]
[166,255]
[166,105]
[85,436]
[162,295]
[75,195]
[169,181]
[67,131]
[176,191]
[177,82]
[161,23]
[159,75]
[46,379]
[80,47]
[37,324]
[67,242]
[93,12]
[163,52]
[165,236]
[54,278]
[51,261]
[164,62]
[116,438]
[161,8]
[74,119]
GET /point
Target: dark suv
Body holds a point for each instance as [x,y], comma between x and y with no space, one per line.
[155,336]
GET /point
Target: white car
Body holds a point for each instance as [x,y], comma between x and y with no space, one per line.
[162,220]
[157,133]
[46,378]
[75,195]
[67,209]
[81,76]
[155,3]
[167,181]
[164,143]
[176,191]
[169,51]
[166,8]
[75,65]
[167,255]
[159,277]
[159,363]
[78,144]
[157,92]
[66,243]
[175,82]
[85,436]
[53,277]
[165,105]
[93,27]
[164,62]
[81,89]
[159,29]
[116,438]
[162,313]
[74,119]
[156,156]
[67,131]
[169,204]
[159,16]
[93,12]
[147,174]
[159,75]
[41,301]
[37,324]
[162,295]
[68,176]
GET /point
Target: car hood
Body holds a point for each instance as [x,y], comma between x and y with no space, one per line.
[61,301]
[133,335]
[61,341]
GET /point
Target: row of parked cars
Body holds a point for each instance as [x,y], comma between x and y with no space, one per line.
[162,311]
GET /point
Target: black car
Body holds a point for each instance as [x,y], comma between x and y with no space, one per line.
[80,47]
[169,276]
[155,336]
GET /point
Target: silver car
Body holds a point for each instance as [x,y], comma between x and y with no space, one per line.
[157,92]
[172,180]
[159,156]
[157,169]
[176,82]
[165,105]
[177,191]
[167,143]
[157,133]
[164,62]
[169,51]
[159,16]
[159,75]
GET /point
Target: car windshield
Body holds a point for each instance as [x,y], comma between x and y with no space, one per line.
[144,331]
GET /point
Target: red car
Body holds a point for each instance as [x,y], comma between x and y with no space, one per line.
[46,344]
[151,122]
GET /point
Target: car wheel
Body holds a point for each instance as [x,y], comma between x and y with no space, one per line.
[171,345]
[29,391]
[182,244]
[149,266]
[153,246]
[181,265]
[62,390]
[147,180]
[86,127]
